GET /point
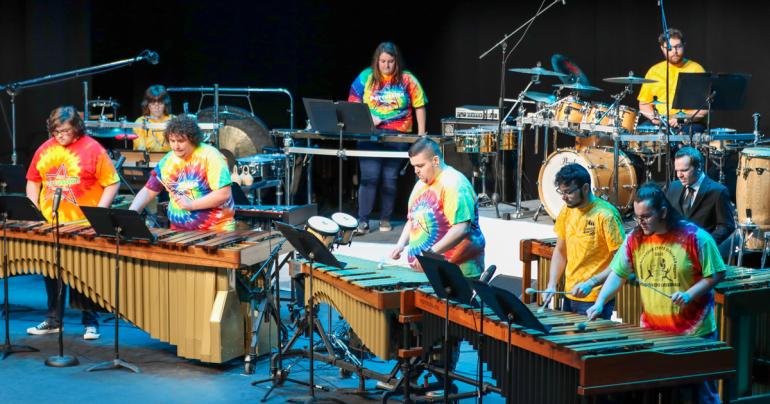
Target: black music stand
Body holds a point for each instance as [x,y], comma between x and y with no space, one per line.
[448,282]
[356,117]
[713,91]
[12,179]
[310,248]
[118,224]
[508,307]
[14,207]
[322,114]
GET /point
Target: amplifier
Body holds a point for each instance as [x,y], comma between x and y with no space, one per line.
[479,112]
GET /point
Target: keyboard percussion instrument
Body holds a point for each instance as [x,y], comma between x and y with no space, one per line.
[180,289]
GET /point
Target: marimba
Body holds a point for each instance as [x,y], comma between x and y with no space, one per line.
[180,290]
[568,365]
[628,301]
[367,297]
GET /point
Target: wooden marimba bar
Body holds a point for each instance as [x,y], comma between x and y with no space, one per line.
[180,290]
[569,365]
[367,297]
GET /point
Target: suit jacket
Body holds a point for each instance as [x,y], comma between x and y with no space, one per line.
[711,209]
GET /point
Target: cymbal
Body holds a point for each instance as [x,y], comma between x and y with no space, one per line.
[540,97]
[630,79]
[126,136]
[579,87]
[537,70]
[109,133]
[573,73]
[656,102]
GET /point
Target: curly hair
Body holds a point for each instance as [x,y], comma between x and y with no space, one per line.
[66,114]
[156,93]
[186,127]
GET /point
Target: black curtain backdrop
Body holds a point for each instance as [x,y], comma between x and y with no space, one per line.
[316,48]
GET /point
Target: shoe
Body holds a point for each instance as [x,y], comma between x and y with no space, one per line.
[42,329]
[92,332]
[363,227]
[385,225]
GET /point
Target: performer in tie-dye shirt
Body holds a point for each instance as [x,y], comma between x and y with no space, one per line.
[443,213]
[79,166]
[391,93]
[196,178]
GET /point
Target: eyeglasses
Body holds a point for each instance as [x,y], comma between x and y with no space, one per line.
[567,192]
[67,131]
[677,47]
[155,102]
[645,219]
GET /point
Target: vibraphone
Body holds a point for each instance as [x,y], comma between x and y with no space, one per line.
[180,290]
[743,314]
[568,365]
[628,301]
[367,298]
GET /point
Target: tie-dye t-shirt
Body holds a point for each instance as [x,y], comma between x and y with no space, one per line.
[81,169]
[391,102]
[200,174]
[672,262]
[153,140]
[434,208]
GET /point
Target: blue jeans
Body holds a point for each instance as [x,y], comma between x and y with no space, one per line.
[88,317]
[578,307]
[378,174]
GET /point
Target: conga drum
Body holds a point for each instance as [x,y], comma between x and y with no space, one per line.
[753,181]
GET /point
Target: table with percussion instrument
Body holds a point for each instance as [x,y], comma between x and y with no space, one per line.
[571,363]
[180,289]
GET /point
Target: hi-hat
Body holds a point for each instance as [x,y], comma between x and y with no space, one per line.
[578,87]
[630,79]
[540,97]
[537,71]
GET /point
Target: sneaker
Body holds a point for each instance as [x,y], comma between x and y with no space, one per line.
[42,329]
[92,332]
[385,225]
[363,227]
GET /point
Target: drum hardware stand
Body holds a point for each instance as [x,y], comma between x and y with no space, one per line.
[744,233]
[547,128]
[765,249]
[118,224]
[9,205]
[59,361]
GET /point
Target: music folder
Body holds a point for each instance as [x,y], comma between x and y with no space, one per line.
[693,89]
[105,221]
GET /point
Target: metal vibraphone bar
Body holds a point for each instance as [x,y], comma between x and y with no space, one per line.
[628,300]
[180,290]
[570,365]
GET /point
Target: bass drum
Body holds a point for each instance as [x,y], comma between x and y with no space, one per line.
[242,133]
[599,163]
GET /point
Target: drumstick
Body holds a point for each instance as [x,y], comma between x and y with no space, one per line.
[383,264]
[168,187]
[634,278]
[532,291]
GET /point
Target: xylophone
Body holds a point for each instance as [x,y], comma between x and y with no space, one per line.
[568,365]
[368,298]
[628,301]
[743,315]
[180,290]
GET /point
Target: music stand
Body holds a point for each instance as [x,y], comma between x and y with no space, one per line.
[714,91]
[310,248]
[508,307]
[14,207]
[448,282]
[322,114]
[118,224]
[12,179]
[355,117]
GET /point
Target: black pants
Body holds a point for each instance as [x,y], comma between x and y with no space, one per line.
[77,299]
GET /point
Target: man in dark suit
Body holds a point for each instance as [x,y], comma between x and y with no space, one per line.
[700,199]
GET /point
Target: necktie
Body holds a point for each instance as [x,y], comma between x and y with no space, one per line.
[687,201]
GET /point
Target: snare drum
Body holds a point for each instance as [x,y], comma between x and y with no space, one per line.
[599,164]
[627,116]
[652,147]
[570,112]
[348,225]
[264,166]
[324,229]
[476,140]
[722,147]
[753,181]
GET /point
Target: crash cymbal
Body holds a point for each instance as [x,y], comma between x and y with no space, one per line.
[564,65]
[540,97]
[126,136]
[108,133]
[579,87]
[537,71]
[630,79]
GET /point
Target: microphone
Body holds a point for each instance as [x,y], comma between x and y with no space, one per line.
[119,163]
[756,117]
[564,2]
[486,276]
[150,56]
[56,201]
[403,170]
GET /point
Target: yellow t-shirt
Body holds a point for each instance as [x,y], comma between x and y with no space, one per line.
[591,234]
[150,139]
[658,72]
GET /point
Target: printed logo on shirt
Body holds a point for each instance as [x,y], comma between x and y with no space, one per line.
[590,228]
[658,267]
[60,179]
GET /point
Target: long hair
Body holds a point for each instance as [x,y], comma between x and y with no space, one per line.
[656,199]
[156,93]
[391,49]
[66,114]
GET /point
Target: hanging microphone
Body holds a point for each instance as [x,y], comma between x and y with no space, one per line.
[486,276]
[150,56]
[56,200]
[564,2]
[403,170]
